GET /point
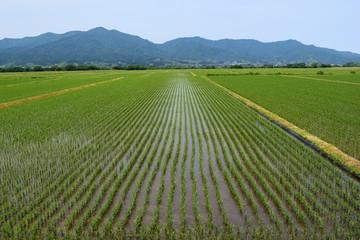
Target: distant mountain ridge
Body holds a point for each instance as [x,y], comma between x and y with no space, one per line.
[100,46]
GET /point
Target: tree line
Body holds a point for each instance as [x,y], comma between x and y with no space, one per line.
[70,67]
[74,67]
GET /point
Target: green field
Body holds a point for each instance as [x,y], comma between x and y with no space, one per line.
[23,85]
[316,103]
[165,154]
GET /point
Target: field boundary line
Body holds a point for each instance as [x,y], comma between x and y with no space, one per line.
[146,75]
[17,84]
[47,95]
[44,81]
[193,74]
[326,149]
[324,80]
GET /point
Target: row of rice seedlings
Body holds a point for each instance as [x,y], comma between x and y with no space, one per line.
[265,174]
[110,169]
[170,198]
[34,212]
[229,181]
[227,177]
[209,210]
[64,177]
[265,187]
[138,158]
[320,187]
[140,214]
[214,178]
[183,163]
[155,144]
[155,222]
[264,199]
[49,169]
[137,134]
[303,192]
[69,190]
[193,177]
[329,173]
[57,205]
[114,174]
[125,219]
[106,171]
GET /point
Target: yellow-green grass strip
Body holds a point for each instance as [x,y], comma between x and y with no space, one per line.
[47,95]
[320,79]
[146,75]
[348,162]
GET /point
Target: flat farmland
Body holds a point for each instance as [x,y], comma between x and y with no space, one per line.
[327,106]
[159,154]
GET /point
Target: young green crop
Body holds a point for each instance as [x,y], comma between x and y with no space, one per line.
[162,155]
[325,106]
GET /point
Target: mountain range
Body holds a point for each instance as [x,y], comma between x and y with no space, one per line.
[103,47]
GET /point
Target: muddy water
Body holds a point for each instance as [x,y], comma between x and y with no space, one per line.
[157,144]
[228,201]
[187,116]
[145,152]
[178,191]
[206,153]
[93,199]
[197,170]
[263,215]
[226,151]
[114,152]
[190,219]
[164,149]
[176,139]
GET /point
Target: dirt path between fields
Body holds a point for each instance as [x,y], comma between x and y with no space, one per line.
[149,74]
[326,149]
[193,74]
[35,98]
[324,80]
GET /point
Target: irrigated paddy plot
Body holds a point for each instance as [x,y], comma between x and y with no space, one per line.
[327,106]
[166,154]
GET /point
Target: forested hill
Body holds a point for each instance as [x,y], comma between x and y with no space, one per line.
[100,46]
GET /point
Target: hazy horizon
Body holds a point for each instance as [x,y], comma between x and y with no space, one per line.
[321,23]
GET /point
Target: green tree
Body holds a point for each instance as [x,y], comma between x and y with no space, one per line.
[351,64]
[135,67]
[70,67]
[238,66]
[55,68]
[118,68]
[325,65]
[315,65]
[38,69]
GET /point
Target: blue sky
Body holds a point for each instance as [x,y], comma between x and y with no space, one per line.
[325,23]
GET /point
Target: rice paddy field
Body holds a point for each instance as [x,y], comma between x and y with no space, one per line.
[326,105]
[170,155]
